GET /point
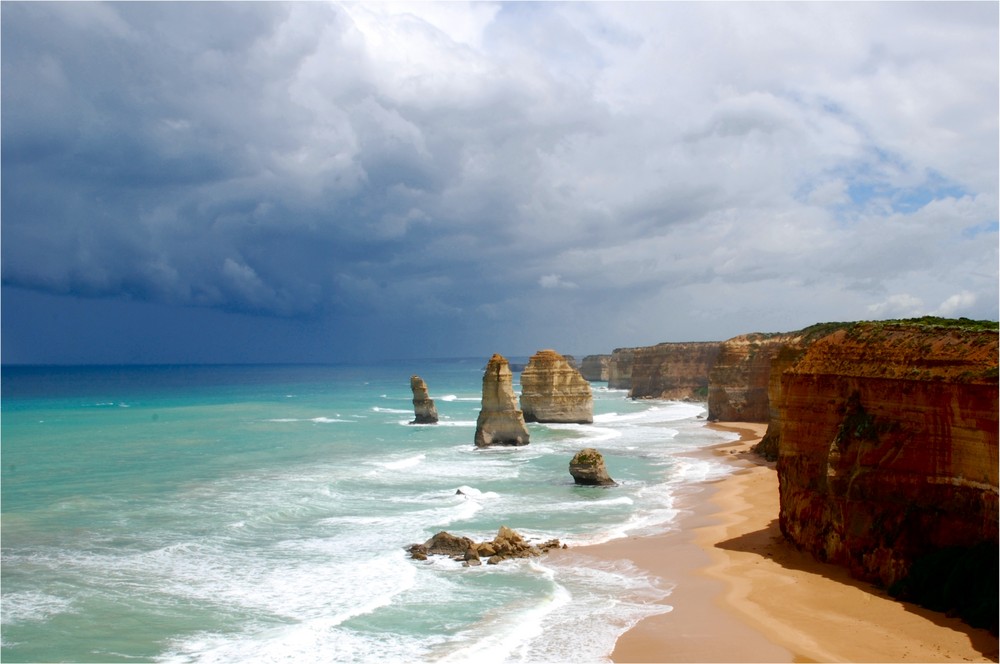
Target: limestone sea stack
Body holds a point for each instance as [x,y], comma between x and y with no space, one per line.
[587,468]
[553,391]
[499,422]
[424,410]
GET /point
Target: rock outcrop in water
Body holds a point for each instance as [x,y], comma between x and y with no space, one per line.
[500,422]
[424,410]
[673,370]
[595,367]
[506,545]
[553,391]
[888,445]
[587,468]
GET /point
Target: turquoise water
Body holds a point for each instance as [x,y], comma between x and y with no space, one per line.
[219,514]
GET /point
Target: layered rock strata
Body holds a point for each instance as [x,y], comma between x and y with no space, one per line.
[739,381]
[587,468]
[595,367]
[889,444]
[673,370]
[620,368]
[424,410]
[500,422]
[506,545]
[553,391]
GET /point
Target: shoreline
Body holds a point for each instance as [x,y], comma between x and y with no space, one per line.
[743,594]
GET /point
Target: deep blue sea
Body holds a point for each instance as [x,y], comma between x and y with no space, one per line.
[260,514]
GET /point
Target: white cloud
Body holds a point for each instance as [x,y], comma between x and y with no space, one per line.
[957,304]
[555,281]
[900,305]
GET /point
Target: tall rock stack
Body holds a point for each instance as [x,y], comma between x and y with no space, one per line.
[499,422]
[424,410]
[553,391]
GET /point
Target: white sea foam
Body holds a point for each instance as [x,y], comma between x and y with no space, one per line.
[505,635]
[406,462]
[30,606]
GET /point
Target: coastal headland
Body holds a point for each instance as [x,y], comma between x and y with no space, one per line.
[867,475]
[745,594]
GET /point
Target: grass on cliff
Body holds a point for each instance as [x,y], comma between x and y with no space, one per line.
[822,329]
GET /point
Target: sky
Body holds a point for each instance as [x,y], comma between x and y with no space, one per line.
[327,182]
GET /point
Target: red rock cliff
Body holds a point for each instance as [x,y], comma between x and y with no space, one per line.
[673,370]
[888,445]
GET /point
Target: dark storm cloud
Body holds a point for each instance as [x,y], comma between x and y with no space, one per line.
[505,162]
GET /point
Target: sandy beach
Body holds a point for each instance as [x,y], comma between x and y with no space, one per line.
[743,594]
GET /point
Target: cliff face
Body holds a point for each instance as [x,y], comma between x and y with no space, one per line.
[595,367]
[888,444]
[499,421]
[738,383]
[553,391]
[620,368]
[673,370]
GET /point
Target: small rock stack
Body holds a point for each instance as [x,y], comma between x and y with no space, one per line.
[424,410]
[587,468]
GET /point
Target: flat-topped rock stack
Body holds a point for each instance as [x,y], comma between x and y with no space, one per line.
[554,391]
[500,422]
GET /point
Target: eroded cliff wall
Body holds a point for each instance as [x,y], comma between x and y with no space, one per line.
[620,368]
[595,367]
[888,444]
[738,384]
[673,370]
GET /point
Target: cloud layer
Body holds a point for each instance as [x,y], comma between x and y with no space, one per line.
[637,172]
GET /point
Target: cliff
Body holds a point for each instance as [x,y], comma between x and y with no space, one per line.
[673,370]
[620,368]
[499,421]
[888,444]
[553,391]
[595,367]
[738,384]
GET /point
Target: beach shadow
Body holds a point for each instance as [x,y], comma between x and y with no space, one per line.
[769,543]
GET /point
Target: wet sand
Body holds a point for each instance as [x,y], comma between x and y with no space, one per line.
[743,594]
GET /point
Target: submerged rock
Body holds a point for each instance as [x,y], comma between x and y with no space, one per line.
[500,422]
[587,468]
[424,410]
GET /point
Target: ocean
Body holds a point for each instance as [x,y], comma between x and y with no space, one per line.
[261,514]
